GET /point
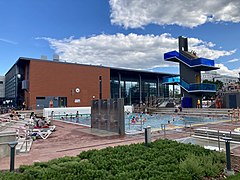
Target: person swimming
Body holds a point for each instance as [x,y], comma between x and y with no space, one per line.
[137,118]
[133,121]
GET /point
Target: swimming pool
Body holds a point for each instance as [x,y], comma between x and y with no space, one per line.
[156,120]
[144,120]
[84,119]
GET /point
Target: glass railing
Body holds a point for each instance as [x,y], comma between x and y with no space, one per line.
[189,87]
[202,87]
[190,62]
[175,79]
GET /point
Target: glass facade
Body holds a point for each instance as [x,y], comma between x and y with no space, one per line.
[131,92]
[149,89]
[136,87]
[114,88]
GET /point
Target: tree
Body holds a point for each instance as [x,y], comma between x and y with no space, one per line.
[219,84]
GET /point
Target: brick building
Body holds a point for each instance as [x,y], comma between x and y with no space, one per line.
[40,83]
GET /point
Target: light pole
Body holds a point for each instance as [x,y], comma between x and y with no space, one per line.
[228,169]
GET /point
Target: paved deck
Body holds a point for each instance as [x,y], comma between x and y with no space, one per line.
[71,139]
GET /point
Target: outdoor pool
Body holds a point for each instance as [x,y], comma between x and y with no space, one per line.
[143,120]
[156,120]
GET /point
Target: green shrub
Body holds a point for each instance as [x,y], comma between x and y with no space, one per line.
[163,159]
[192,167]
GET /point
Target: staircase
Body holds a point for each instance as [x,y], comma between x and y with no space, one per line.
[203,63]
[211,134]
[192,111]
[194,87]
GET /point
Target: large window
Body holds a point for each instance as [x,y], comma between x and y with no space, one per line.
[135,87]
[149,89]
[129,91]
[114,89]
[132,93]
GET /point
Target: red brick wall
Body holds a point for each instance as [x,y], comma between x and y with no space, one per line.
[47,78]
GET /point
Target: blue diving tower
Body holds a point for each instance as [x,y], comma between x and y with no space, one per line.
[190,74]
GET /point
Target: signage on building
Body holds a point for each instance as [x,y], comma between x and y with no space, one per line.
[77,90]
[77,100]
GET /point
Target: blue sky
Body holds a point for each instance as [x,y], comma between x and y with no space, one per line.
[119,33]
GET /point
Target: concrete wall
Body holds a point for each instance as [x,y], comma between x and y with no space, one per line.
[4,138]
[47,78]
[73,110]
[189,75]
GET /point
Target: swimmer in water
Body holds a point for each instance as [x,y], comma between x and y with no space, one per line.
[133,120]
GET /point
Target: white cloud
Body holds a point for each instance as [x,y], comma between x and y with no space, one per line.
[225,71]
[8,41]
[233,60]
[128,51]
[191,13]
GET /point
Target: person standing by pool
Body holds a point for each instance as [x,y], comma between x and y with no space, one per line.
[198,103]
[230,114]
[77,116]
[50,103]
[23,105]
[180,108]
[234,114]
[52,114]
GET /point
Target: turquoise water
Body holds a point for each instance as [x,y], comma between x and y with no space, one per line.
[156,120]
[82,119]
[144,120]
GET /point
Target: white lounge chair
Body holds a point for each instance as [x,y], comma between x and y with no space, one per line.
[42,134]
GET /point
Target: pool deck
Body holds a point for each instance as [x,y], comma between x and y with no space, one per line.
[71,139]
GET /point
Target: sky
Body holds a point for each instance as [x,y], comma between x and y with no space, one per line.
[131,34]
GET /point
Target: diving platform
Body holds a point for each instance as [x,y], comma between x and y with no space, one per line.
[201,64]
[190,67]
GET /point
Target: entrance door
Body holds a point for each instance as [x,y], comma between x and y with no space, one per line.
[232,101]
[62,101]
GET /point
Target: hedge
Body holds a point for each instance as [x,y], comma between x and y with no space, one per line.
[163,159]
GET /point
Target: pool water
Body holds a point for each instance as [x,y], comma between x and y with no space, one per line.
[143,120]
[82,119]
[156,120]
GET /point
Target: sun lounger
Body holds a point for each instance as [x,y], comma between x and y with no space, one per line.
[43,134]
[45,128]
